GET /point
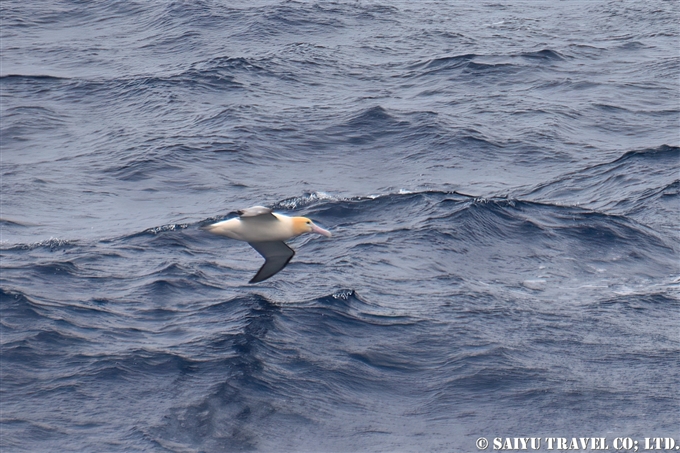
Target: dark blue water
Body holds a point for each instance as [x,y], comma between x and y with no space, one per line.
[501,181]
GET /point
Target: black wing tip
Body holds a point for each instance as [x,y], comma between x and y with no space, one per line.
[258,278]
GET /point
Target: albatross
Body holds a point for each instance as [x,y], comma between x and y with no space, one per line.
[266,232]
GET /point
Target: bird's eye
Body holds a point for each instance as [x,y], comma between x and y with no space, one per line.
[309,223]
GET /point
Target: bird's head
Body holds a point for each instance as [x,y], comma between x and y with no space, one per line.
[303,225]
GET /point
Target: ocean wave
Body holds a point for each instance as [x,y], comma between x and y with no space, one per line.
[16,304]
[614,186]
[545,54]
[257,384]
[304,201]
[29,78]
[662,152]
[436,65]
[472,62]
[165,228]
[51,244]
[502,191]
[19,123]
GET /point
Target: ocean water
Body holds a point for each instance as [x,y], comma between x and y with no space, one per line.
[501,180]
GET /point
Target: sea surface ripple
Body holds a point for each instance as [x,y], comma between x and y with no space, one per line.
[501,180]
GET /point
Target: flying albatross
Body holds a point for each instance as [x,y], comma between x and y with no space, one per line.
[266,232]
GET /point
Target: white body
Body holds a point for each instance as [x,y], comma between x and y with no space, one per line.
[250,229]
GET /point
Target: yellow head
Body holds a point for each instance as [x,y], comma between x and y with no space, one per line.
[303,225]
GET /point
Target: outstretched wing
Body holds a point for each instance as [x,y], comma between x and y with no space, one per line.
[276,255]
